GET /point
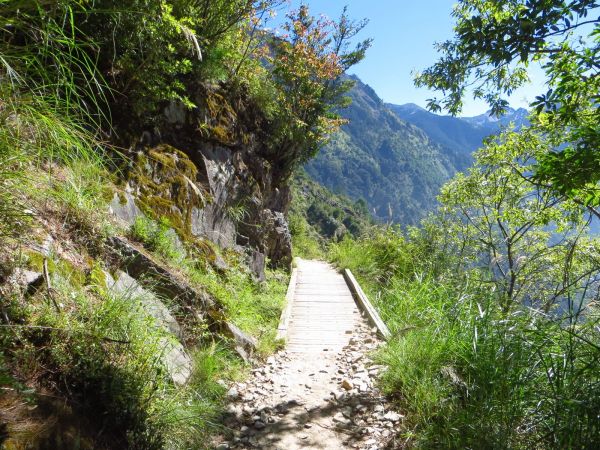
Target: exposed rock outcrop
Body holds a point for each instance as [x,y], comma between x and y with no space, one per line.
[174,357]
[145,276]
[209,171]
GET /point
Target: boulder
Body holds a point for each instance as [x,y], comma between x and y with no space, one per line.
[153,274]
[245,345]
[257,265]
[150,274]
[27,279]
[131,289]
[177,361]
[174,357]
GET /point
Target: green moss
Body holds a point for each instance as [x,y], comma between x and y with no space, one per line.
[122,198]
[164,176]
[160,157]
[34,260]
[223,120]
[61,267]
[67,270]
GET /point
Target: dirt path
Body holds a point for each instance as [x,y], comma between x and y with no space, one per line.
[319,392]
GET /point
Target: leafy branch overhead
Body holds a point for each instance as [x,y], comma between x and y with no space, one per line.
[495,43]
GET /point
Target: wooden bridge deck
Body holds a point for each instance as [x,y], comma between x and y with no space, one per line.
[323,312]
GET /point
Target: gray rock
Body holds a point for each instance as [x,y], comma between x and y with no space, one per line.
[257,265]
[158,277]
[28,280]
[392,416]
[211,223]
[175,358]
[177,361]
[129,288]
[279,239]
[219,263]
[123,207]
[233,393]
[339,417]
[245,345]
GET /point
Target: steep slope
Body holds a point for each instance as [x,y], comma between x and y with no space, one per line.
[393,165]
[317,216]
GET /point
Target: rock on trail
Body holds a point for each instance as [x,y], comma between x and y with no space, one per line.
[319,392]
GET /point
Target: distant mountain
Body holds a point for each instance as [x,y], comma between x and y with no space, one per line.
[493,124]
[460,136]
[396,167]
[396,157]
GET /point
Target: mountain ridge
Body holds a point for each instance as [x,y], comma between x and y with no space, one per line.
[390,163]
[396,157]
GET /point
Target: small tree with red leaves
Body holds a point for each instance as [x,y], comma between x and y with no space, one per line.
[307,67]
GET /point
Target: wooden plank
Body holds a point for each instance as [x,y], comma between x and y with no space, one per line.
[323,310]
[366,306]
[286,314]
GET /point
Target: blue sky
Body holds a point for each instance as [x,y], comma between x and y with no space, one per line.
[404,32]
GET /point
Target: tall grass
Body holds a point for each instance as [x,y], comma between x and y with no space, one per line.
[306,243]
[468,373]
[103,353]
[254,307]
[53,97]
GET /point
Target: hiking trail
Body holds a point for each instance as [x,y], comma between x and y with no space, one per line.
[318,392]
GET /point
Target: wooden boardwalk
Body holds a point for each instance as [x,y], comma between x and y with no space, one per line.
[323,313]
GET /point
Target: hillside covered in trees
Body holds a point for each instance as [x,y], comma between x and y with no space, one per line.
[396,157]
[393,165]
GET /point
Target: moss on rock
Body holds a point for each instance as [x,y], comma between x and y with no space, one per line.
[166,180]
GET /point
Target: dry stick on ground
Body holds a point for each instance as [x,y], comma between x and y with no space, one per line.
[48,285]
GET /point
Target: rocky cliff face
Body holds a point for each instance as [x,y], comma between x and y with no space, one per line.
[208,171]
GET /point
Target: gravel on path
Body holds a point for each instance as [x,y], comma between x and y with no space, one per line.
[325,400]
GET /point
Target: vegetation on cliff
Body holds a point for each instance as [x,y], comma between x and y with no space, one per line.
[123,335]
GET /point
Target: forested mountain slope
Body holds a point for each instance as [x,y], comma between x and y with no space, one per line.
[393,165]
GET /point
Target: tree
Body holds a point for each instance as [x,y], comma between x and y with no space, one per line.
[154,51]
[307,68]
[495,42]
[531,246]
